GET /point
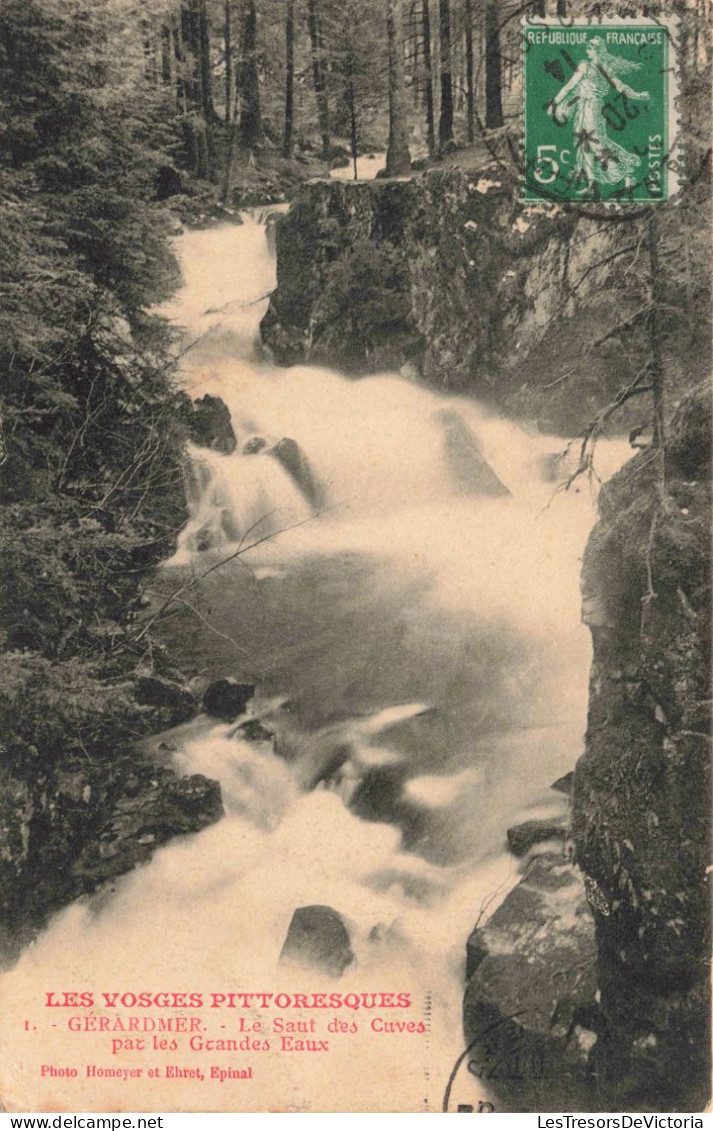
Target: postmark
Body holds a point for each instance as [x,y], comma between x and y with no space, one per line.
[505,1058]
[600,111]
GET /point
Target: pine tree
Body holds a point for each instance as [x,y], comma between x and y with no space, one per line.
[320,89]
[493,67]
[398,157]
[445,121]
[289,78]
[251,132]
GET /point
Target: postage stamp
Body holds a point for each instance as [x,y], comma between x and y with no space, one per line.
[600,111]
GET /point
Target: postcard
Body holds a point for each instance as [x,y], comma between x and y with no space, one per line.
[356,437]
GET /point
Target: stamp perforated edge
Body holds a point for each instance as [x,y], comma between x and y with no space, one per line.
[676,153]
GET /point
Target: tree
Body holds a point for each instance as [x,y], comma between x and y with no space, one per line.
[469,70]
[493,67]
[320,90]
[289,78]
[251,132]
[88,410]
[445,121]
[428,67]
[228,54]
[205,70]
[398,157]
[357,55]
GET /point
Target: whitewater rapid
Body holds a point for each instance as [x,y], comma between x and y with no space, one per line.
[432,633]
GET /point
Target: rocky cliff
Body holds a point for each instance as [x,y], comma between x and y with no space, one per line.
[449,275]
[610,1004]
[641,809]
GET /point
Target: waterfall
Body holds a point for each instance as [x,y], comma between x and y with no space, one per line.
[407,603]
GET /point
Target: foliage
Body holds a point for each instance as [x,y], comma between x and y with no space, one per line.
[366,295]
[51,713]
[90,471]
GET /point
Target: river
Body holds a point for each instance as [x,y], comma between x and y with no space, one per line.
[417,649]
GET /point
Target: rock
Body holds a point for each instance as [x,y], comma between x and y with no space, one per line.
[169,182]
[565,784]
[179,703]
[210,425]
[285,343]
[226,698]
[318,939]
[272,219]
[480,291]
[470,472]
[379,796]
[641,801]
[521,838]
[253,445]
[141,821]
[252,730]
[337,155]
[290,455]
[531,989]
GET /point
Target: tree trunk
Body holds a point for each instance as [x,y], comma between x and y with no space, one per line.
[562,9]
[469,70]
[204,68]
[188,56]
[413,59]
[178,68]
[166,53]
[398,158]
[351,99]
[150,62]
[320,90]
[493,68]
[428,68]
[250,112]
[655,333]
[539,8]
[289,79]
[228,51]
[445,121]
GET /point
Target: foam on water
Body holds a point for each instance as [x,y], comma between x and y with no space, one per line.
[491,574]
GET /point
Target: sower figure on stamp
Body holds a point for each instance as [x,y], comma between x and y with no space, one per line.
[598,159]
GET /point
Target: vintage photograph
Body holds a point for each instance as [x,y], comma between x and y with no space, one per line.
[355,460]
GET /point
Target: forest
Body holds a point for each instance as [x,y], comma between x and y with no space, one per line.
[127,122]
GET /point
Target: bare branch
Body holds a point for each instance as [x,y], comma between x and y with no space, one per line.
[185,586]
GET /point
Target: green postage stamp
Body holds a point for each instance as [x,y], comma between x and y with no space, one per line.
[600,105]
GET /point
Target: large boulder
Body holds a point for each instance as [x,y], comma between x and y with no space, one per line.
[470,472]
[210,425]
[225,699]
[523,837]
[168,182]
[253,445]
[295,462]
[257,734]
[565,784]
[318,939]
[272,219]
[530,1010]
[145,816]
[177,704]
